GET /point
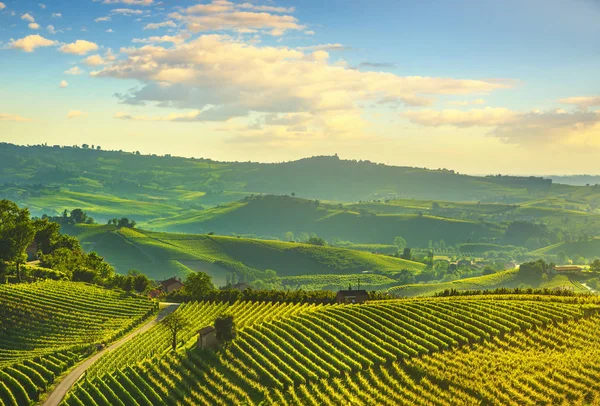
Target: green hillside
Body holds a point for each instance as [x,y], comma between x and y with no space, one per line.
[504,279]
[588,249]
[189,183]
[162,255]
[277,215]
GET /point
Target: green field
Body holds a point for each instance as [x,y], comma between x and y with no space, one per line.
[505,279]
[162,255]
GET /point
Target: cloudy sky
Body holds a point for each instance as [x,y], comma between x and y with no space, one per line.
[479,86]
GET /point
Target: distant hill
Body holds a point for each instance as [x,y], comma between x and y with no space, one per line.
[276,215]
[189,183]
[162,255]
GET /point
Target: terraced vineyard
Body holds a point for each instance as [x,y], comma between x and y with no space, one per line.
[46,327]
[341,354]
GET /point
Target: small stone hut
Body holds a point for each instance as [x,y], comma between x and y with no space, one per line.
[207,338]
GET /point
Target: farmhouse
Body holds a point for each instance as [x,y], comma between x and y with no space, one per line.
[171,285]
[352,296]
[567,269]
[207,338]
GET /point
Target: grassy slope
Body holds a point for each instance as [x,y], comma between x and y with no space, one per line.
[163,254]
[588,249]
[504,279]
[276,215]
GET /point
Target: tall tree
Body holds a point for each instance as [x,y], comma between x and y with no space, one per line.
[174,323]
[16,234]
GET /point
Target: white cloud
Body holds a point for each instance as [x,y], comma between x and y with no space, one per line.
[64,84]
[486,117]
[31,42]
[94,60]
[217,78]
[102,19]
[155,26]
[51,29]
[269,9]
[582,102]
[79,47]
[324,47]
[175,39]
[73,71]
[110,31]
[223,15]
[42,6]
[34,26]
[28,17]
[309,32]
[2,6]
[56,15]
[12,117]
[129,2]
[126,11]
[76,113]
[466,102]
[556,127]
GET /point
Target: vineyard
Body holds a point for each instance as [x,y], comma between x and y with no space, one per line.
[47,327]
[343,354]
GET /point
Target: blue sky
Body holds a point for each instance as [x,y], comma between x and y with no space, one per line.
[477,86]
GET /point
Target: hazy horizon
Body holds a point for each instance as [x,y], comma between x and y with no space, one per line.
[478,87]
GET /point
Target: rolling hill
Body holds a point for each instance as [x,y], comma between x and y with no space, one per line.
[162,255]
[191,183]
[504,279]
[589,248]
[277,215]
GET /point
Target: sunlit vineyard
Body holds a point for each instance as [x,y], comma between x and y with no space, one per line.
[156,341]
[554,365]
[45,317]
[46,327]
[24,382]
[337,354]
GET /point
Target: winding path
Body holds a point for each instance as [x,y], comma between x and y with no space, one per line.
[59,392]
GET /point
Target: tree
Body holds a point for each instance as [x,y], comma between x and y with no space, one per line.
[174,323]
[400,243]
[293,194]
[406,254]
[595,265]
[225,328]
[16,234]
[198,285]
[316,241]
[78,216]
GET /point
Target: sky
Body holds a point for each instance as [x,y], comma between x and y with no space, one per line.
[477,86]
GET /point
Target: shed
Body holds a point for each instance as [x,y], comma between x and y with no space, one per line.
[352,296]
[207,338]
[170,285]
[568,269]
